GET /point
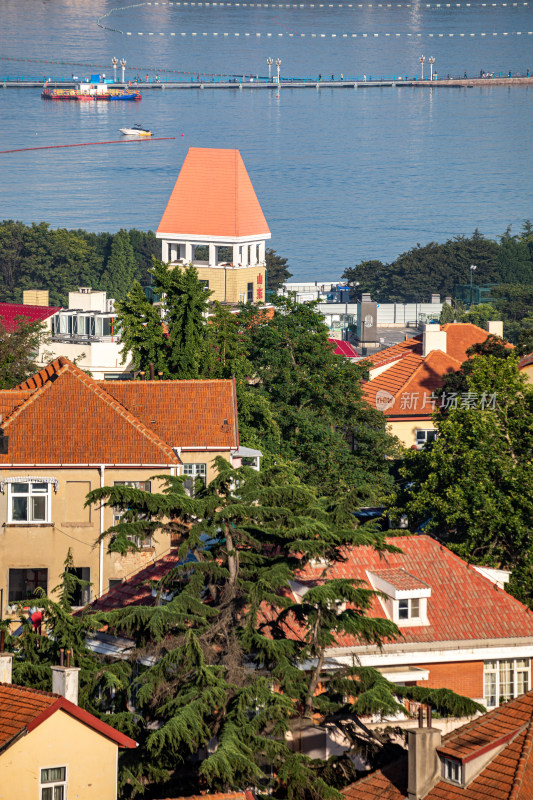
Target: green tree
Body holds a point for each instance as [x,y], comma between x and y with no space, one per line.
[186,305]
[326,426]
[277,270]
[480,314]
[121,268]
[226,662]
[472,487]
[447,314]
[143,336]
[19,346]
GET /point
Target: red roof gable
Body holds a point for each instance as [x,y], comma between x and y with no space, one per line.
[10,311]
[22,709]
[460,336]
[213,196]
[508,776]
[70,419]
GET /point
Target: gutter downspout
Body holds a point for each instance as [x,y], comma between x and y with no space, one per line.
[102,528]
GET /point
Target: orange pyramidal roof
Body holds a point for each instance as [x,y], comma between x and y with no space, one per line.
[213,196]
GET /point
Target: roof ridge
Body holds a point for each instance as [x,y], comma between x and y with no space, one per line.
[28,689]
[522,762]
[35,395]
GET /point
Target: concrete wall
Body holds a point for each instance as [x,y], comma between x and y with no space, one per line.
[60,741]
[99,358]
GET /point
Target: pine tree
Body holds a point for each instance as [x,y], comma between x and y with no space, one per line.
[227,685]
[121,268]
[186,306]
[143,336]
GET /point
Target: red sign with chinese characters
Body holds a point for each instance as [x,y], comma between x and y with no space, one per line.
[259,278]
[259,293]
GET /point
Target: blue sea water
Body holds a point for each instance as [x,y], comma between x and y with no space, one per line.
[342,175]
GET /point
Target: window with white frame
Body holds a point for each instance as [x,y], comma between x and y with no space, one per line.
[29,502]
[409,608]
[505,679]
[54,783]
[452,770]
[425,436]
[118,512]
[193,471]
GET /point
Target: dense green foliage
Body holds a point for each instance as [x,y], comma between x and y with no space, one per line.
[37,257]
[228,639]
[277,270]
[472,487]
[414,275]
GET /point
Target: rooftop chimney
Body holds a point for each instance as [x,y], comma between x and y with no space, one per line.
[434,338]
[65,680]
[435,298]
[6,661]
[495,327]
[424,764]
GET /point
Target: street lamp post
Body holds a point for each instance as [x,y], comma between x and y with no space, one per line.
[123,65]
[114,61]
[270,61]
[422,59]
[278,65]
[431,62]
[472,268]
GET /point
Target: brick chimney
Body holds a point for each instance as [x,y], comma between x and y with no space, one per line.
[6,661]
[434,338]
[65,679]
[424,763]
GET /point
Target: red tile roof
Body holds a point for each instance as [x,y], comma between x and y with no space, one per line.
[136,591]
[460,336]
[464,606]
[526,361]
[405,388]
[10,311]
[213,196]
[343,348]
[508,776]
[22,709]
[200,413]
[70,419]
[114,422]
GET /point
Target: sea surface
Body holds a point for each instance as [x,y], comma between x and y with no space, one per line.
[342,175]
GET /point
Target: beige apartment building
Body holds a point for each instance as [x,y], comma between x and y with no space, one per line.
[213,220]
[64,434]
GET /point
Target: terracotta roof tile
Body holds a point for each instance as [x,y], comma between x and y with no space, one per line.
[247,795]
[213,196]
[464,606]
[405,389]
[400,578]
[10,311]
[201,413]
[136,591]
[10,400]
[70,419]
[22,709]
[508,776]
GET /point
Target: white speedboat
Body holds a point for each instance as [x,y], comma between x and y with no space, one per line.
[136,130]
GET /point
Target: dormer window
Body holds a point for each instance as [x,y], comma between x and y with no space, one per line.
[405,596]
[452,770]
